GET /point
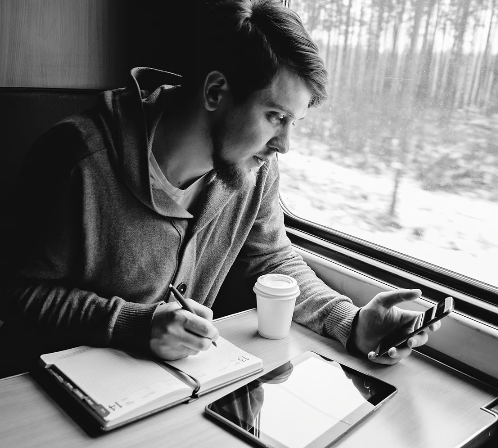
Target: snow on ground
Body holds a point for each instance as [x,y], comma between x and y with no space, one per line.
[453,231]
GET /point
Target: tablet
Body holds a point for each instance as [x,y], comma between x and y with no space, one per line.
[310,401]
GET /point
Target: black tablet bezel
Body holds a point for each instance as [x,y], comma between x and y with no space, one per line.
[384,392]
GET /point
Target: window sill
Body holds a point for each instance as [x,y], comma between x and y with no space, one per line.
[463,342]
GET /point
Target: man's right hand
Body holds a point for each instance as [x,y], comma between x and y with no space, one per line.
[177,333]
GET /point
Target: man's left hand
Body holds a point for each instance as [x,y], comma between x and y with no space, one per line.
[380,317]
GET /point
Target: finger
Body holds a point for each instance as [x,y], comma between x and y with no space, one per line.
[166,349]
[200,326]
[418,340]
[393,356]
[384,359]
[184,351]
[435,326]
[409,320]
[391,298]
[201,310]
[190,351]
[399,352]
[194,341]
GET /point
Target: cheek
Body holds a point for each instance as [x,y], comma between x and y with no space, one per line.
[254,138]
[260,133]
[248,137]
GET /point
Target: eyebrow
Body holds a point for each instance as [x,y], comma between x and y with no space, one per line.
[273,104]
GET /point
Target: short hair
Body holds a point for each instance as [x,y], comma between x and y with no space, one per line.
[249,41]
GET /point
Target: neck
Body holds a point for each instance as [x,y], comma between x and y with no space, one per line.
[181,145]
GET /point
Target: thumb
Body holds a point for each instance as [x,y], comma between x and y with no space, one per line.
[389,299]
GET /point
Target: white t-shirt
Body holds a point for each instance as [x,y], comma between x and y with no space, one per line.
[185,198]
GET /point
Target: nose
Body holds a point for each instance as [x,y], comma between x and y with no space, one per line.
[281,142]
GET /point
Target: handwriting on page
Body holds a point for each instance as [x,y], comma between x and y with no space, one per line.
[214,362]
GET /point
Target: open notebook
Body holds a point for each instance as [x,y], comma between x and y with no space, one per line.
[116,387]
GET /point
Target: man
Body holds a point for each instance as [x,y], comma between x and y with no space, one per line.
[169,181]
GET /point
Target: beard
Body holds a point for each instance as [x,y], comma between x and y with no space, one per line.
[228,172]
[233,175]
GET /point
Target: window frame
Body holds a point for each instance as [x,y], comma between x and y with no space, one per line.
[476,299]
[463,343]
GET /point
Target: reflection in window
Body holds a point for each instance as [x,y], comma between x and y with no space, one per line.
[404,153]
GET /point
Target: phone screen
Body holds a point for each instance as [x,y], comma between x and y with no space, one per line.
[430,316]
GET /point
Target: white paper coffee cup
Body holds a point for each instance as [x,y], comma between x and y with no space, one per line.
[275,297]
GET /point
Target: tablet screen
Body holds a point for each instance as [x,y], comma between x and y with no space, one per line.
[307,402]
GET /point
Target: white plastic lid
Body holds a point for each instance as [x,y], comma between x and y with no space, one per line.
[276,285]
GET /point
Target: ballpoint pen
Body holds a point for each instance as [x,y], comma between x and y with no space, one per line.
[183,303]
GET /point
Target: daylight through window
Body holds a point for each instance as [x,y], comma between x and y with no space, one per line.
[404,153]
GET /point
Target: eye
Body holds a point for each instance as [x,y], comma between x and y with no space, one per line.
[275,117]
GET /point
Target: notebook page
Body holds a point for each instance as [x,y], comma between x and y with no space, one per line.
[117,380]
[52,358]
[219,364]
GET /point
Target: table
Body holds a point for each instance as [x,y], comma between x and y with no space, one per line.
[435,406]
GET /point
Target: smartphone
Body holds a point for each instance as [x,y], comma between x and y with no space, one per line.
[433,314]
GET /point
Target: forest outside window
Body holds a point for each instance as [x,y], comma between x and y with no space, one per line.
[404,152]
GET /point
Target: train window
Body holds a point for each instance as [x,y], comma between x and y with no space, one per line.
[404,152]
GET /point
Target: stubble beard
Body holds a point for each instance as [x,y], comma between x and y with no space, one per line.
[231,174]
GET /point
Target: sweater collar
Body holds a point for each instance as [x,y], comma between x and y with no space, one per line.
[137,110]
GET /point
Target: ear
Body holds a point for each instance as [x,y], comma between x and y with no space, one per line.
[215,90]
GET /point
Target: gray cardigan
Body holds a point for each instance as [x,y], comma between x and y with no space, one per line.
[96,246]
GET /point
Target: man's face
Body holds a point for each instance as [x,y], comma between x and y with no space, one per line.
[249,134]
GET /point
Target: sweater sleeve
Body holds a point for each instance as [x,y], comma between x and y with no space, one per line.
[45,294]
[268,250]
